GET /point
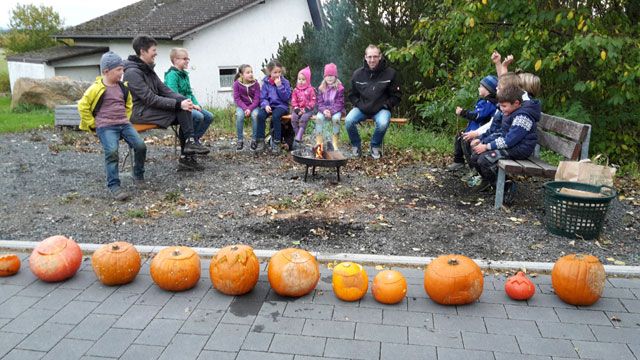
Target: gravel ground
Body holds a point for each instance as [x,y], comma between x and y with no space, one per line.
[53,183]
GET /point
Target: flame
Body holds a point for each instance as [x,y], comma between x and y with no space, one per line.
[319,151]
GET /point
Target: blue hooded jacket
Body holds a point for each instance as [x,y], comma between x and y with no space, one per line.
[275,96]
[519,131]
[480,114]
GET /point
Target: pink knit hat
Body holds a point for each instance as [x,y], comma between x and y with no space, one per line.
[306,72]
[330,70]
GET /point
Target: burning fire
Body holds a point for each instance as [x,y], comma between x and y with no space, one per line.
[319,151]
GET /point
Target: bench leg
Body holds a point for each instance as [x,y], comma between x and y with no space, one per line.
[500,188]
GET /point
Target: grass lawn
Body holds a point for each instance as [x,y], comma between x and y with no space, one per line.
[14,121]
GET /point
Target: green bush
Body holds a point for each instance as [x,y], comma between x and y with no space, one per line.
[5,86]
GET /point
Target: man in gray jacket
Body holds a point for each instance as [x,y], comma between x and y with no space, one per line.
[155,103]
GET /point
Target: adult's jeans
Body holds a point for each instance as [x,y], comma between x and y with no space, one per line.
[201,121]
[109,137]
[276,116]
[355,116]
[240,123]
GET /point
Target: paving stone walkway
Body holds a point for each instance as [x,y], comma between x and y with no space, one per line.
[82,319]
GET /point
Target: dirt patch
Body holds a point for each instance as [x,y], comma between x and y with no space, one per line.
[405,204]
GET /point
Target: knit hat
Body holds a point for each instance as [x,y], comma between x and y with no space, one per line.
[331,70]
[490,83]
[306,72]
[110,60]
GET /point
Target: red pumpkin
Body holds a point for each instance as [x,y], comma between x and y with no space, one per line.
[350,281]
[389,287]
[578,279]
[9,264]
[453,280]
[519,287]
[176,268]
[293,272]
[117,263]
[234,270]
[56,258]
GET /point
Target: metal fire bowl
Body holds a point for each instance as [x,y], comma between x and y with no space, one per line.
[305,157]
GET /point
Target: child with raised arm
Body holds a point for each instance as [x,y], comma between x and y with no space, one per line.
[105,108]
[246,95]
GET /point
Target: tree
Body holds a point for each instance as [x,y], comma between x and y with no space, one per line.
[31,28]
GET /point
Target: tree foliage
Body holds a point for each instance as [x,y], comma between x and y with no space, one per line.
[587,54]
[31,27]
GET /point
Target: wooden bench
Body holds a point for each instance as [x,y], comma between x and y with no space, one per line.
[66,115]
[140,128]
[565,137]
[399,121]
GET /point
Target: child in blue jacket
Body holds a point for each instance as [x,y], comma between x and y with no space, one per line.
[274,101]
[484,109]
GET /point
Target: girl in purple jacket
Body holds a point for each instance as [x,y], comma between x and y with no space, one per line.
[330,103]
[246,94]
[274,102]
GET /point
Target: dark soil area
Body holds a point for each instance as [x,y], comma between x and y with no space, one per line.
[53,183]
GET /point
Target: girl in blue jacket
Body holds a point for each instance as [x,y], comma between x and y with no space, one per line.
[274,102]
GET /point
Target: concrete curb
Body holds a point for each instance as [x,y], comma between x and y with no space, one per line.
[365,259]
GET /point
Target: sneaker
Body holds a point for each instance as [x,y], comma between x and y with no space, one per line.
[119,194]
[276,148]
[240,145]
[254,145]
[356,151]
[375,153]
[191,147]
[139,182]
[482,187]
[261,145]
[189,163]
[509,193]
[455,166]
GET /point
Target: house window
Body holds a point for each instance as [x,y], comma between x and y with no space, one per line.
[226,77]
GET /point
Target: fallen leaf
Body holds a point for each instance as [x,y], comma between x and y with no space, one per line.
[296,242]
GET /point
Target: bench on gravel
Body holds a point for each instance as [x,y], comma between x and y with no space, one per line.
[398,121]
[66,115]
[564,137]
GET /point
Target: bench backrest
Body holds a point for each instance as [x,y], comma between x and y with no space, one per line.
[566,137]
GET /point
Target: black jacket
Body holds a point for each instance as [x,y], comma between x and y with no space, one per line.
[153,101]
[374,90]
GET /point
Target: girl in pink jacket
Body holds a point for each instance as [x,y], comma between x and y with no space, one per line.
[303,101]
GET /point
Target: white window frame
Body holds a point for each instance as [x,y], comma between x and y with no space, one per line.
[220,77]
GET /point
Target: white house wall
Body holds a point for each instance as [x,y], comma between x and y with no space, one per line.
[249,37]
[35,71]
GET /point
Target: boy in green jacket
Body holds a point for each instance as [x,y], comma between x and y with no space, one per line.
[177,79]
[105,108]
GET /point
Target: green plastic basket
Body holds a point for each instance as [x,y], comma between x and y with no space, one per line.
[576,216]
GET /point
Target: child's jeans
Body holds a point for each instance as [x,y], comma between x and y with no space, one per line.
[299,123]
[486,164]
[201,121]
[320,120]
[109,137]
[462,150]
[276,116]
[240,122]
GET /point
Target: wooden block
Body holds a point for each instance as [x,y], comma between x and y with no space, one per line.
[510,166]
[144,127]
[530,168]
[548,171]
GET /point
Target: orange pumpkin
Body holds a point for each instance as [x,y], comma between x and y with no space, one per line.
[389,287]
[234,270]
[9,264]
[519,287]
[293,272]
[453,280]
[578,279]
[56,258]
[350,281]
[176,268]
[117,263]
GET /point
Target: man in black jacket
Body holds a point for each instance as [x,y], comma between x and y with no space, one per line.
[155,103]
[374,93]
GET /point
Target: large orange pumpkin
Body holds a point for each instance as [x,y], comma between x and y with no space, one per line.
[389,287]
[350,281]
[293,272]
[519,287]
[234,270]
[56,258]
[9,264]
[578,279]
[117,263]
[453,280]
[176,268]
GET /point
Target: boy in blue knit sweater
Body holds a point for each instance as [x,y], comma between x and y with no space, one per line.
[516,140]
[484,109]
